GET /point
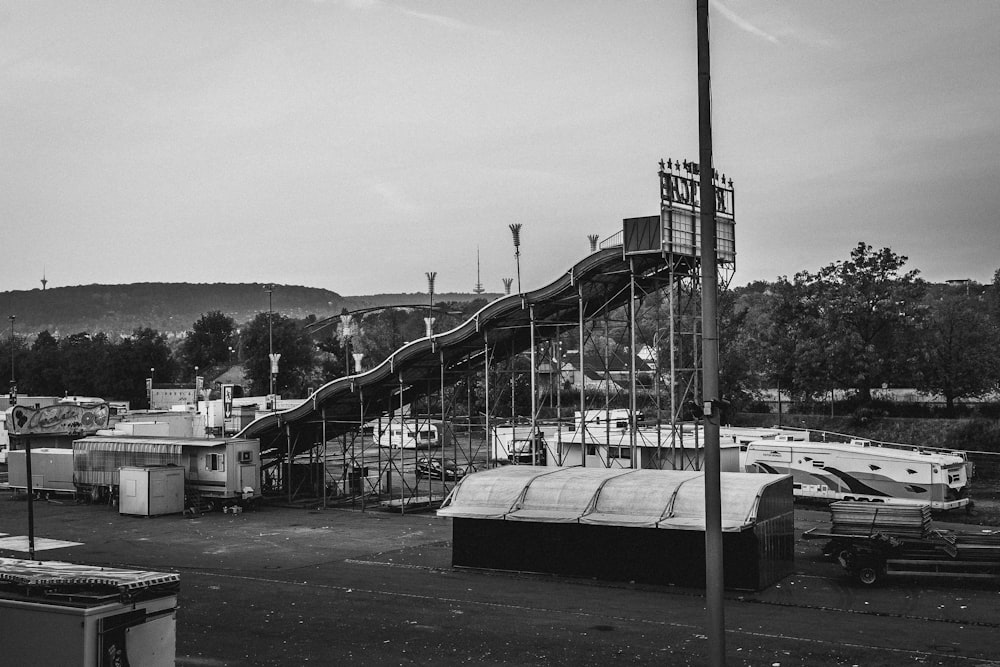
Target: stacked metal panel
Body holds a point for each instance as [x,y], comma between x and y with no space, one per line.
[859,518]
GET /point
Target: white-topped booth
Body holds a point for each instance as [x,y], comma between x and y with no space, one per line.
[621,525]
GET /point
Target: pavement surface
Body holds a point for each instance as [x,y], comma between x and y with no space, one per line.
[297,586]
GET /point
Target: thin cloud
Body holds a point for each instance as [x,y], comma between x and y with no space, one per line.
[437,19]
[445,21]
[392,197]
[742,23]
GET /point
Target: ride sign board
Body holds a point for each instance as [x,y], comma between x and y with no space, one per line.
[680,209]
[227,401]
[61,418]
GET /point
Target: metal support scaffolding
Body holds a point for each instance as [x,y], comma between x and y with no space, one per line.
[632,312]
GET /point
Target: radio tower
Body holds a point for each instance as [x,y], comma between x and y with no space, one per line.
[479,282]
[44,281]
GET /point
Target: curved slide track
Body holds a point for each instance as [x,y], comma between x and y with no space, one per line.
[501,329]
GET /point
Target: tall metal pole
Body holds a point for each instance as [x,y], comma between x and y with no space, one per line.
[13,382]
[534,388]
[515,230]
[269,288]
[486,403]
[27,451]
[633,404]
[710,354]
[323,468]
[431,275]
[583,379]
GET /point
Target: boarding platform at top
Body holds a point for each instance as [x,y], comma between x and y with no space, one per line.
[646,254]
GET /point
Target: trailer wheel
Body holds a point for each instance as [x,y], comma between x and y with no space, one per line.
[869,572]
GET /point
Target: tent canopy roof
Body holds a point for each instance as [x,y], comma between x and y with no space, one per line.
[673,499]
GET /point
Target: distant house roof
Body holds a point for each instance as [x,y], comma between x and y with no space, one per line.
[232,375]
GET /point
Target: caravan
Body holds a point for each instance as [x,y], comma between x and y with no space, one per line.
[414,434]
[862,470]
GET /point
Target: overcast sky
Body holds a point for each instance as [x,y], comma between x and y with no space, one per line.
[356,144]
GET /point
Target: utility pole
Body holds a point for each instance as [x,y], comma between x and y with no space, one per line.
[716,630]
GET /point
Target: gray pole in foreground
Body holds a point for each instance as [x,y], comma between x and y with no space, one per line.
[710,355]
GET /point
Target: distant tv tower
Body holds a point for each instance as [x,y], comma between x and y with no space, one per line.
[593,242]
[506,285]
[479,282]
[44,281]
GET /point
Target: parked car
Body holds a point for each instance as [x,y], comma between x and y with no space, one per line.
[431,467]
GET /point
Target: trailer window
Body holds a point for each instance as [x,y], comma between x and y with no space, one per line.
[215,462]
[620,452]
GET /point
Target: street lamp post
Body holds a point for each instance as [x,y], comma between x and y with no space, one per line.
[429,320]
[269,288]
[13,382]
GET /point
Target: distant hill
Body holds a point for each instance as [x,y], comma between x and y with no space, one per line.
[172,308]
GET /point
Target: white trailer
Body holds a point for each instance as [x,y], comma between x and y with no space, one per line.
[51,470]
[864,471]
[414,434]
[216,468]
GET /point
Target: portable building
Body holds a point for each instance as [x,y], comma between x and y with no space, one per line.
[51,470]
[611,446]
[151,490]
[621,525]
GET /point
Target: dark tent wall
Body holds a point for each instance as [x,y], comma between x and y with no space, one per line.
[617,525]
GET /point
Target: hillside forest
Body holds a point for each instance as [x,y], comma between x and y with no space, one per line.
[859,324]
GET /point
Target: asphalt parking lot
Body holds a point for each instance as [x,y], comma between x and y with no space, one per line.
[296,586]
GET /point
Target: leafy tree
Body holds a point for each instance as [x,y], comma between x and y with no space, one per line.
[788,329]
[84,363]
[865,307]
[296,368]
[18,357]
[742,369]
[43,367]
[994,297]
[960,352]
[208,342]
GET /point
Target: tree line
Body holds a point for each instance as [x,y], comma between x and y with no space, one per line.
[855,325]
[858,325]
[312,352]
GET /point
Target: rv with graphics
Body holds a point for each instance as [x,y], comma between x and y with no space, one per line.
[861,470]
[414,434]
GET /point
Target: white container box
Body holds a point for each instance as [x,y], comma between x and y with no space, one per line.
[151,490]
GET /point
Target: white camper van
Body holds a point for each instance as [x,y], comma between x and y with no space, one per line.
[414,434]
[861,470]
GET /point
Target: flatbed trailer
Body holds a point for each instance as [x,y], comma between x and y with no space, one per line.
[940,553]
